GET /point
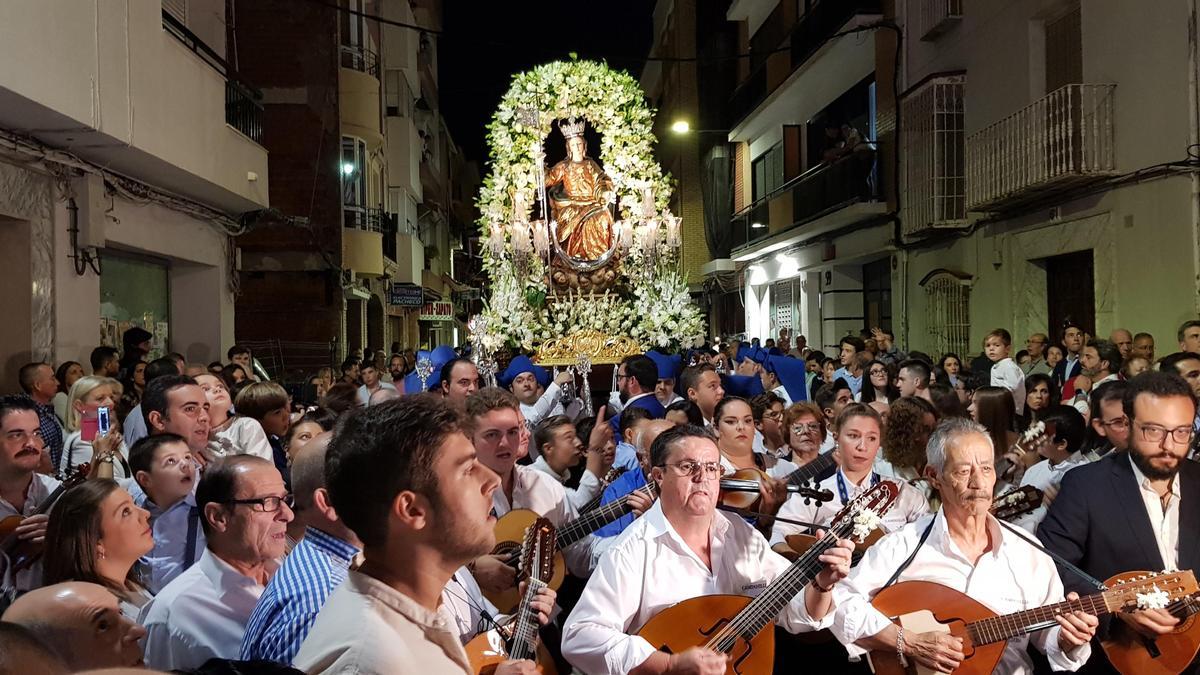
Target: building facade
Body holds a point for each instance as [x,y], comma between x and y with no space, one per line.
[128,162]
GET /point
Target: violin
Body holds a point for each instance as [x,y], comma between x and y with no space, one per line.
[742,489]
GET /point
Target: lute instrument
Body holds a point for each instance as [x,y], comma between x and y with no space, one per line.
[1016,503]
[490,648]
[1131,653]
[924,606]
[612,474]
[510,529]
[22,553]
[740,626]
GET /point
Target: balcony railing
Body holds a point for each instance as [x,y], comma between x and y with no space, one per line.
[243,102]
[821,19]
[357,57]
[933,176]
[362,218]
[814,193]
[1062,140]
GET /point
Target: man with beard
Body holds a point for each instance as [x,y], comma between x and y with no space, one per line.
[1128,510]
[405,478]
[964,548]
[680,549]
[637,379]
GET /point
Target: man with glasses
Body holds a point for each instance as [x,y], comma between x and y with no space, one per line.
[1109,423]
[202,614]
[22,489]
[680,549]
[1036,346]
[1137,510]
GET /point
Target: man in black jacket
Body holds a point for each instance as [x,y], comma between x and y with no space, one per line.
[1127,511]
[1072,343]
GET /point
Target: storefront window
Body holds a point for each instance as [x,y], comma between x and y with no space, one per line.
[134,292]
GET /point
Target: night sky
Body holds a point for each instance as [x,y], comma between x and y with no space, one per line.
[485,44]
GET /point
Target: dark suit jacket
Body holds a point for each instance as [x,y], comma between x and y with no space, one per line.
[1099,522]
[650,403]
[1060,374]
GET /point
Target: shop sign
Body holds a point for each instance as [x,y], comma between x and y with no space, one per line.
[406,295]
[437,311]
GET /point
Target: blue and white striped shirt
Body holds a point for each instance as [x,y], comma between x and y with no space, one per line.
[289,606]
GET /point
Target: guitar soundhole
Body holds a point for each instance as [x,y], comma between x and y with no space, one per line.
[506,548]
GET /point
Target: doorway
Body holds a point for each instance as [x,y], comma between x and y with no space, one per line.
[1071,292]
[877,294]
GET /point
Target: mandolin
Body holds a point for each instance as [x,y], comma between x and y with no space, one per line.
[489,649]
[1016,503]
[1037,435]
[510,529]
[21,554]
[740,627]
[923,606]
[748,499]
[1130,653]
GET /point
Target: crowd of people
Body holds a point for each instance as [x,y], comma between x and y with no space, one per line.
[203,518]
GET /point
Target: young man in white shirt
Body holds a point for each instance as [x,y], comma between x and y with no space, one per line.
[858,430]
[680,549]
[202,613]
[702,386]
[405,478]
[559,449]
[1005,372]
[371,383]
[1062,454]
[964,548]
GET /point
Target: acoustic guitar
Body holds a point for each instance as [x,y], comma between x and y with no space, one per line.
[1133,654]
[21,553]
[1038,434]
[510,531]
[923,606]
[748,498]
[613,474]
[490,648]
[741,627]
[1016,503]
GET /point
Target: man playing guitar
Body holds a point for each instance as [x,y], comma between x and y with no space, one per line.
[1135,510]
[21,488]
[962,547]
[680,549]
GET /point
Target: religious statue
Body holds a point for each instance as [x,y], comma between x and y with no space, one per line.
[578,191]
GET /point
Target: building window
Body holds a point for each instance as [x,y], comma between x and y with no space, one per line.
[781,300]
[948,312]
[934,173]
[135,292]
[178,9]
[398,98]
[877,293]
[768,172]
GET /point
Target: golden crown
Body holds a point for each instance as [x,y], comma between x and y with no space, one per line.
[571,127]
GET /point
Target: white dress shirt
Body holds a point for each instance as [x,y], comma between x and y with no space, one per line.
[1164,523]
[200,615]
[589,484]
[364,394]
[40,487]
[1011,577]
[243,436]
[1006,373]
[544,495]
[909,506]
[651,568]
[370,628]
[463,606]
[781,392]
[1042,476]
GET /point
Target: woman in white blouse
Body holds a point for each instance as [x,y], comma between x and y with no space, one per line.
[88,395]
[230,434]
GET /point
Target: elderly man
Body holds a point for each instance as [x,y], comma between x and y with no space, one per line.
[964,548]
[1123,339]
[1036,346]
[680,549]
[40,385]
[202,613]
[82,623]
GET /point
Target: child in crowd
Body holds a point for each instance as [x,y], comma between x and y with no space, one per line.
[1005,372]
[1061,455]
[166,487]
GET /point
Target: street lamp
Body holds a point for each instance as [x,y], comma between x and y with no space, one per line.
[682,127]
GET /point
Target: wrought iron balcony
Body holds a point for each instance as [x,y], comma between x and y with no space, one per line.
[362,218]
[1061,141]
[357,57]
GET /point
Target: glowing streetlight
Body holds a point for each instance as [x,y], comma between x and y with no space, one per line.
[680,126]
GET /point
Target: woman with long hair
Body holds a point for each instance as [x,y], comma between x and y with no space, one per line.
[911,421]
[97,534]
[68,372]
[952,365]
[880,385]
[133,385]
[993,407]
[88,395]
[734,422]
[1040,394]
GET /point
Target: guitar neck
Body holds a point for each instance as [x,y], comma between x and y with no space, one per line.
[597,518]
[1008,626]
[525,632]
[811,470]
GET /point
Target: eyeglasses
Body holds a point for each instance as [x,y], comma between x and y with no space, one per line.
[878,371]
[265,504]
[1156,434]
[1120,424]
[801,429]
[689,468]
[621,376]
[772,415]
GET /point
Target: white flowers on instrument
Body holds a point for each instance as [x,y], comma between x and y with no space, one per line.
[1012,498]
[1156,599]
[1036,429]
[865,522]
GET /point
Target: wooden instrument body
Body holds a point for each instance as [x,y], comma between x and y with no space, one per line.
[486,651]
[691,623]
[1129,654]
[743,500]
[510,532]
[799,543]
[909,602]
[21,553]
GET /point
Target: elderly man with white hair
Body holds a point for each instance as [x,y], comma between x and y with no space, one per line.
[963,547]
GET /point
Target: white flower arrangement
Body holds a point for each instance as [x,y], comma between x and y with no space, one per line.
[865,522]
[1036,429]
[1155,599]
[658,311]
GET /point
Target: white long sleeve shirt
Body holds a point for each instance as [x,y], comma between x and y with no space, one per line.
[1006,373]
[544,495]
[589,484]
[1011,577]
[910,505]
[1042,476]
[651,568]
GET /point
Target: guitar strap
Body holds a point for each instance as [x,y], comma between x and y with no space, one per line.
[1055,557]
[908,561]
